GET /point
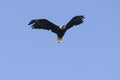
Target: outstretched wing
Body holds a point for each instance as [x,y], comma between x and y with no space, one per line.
[43,24]
[74,21]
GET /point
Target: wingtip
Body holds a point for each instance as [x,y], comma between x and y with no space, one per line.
[82,16]
[31,22]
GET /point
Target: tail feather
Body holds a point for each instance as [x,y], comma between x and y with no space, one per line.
[59,39]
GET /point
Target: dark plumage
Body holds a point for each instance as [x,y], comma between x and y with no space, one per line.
[59,30]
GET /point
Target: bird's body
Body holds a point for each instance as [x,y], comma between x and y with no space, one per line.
[60,33]
[59,30]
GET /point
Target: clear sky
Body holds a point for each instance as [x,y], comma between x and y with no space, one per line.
[90,51]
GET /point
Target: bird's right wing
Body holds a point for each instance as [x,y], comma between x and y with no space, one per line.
[74,21]
[43,24]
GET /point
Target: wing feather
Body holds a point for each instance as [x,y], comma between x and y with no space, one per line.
[74,21]
[43,24]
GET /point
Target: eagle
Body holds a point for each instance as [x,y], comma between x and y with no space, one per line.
[58,30]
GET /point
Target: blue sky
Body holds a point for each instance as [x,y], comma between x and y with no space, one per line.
[90,51]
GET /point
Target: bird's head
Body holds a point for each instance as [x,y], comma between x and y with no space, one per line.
[62,26]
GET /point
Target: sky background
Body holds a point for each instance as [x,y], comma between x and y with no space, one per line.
[90,51]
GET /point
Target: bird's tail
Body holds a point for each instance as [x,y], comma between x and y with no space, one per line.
[59,39]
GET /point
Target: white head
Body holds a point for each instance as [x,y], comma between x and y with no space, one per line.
[62,26]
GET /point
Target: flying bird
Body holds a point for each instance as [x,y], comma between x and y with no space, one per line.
[59,30]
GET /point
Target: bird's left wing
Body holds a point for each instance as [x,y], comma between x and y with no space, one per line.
[74,21]
[43,24]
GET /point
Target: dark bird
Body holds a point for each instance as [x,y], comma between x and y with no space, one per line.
[59,30]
